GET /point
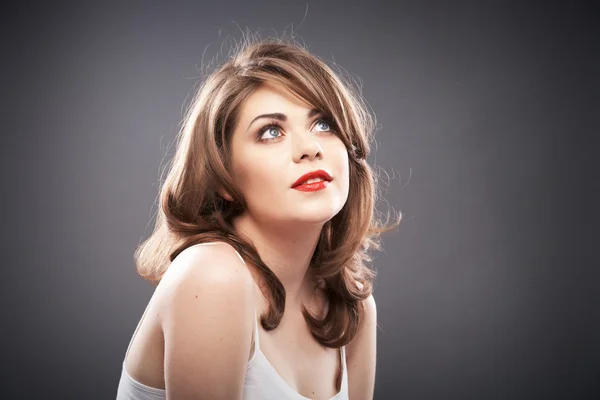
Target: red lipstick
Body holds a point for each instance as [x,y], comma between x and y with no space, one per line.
[310,187]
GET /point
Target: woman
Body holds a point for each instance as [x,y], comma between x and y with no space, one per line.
[259,250]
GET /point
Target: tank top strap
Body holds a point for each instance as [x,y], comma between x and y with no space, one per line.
[137,328]
[256,339]
[239,255]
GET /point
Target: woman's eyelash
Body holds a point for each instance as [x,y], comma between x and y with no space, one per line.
[265,128]
[276,125]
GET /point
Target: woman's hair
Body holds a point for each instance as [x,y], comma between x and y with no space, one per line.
[191,209]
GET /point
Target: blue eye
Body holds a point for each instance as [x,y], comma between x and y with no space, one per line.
[323,122]
[273,130]
[270,129]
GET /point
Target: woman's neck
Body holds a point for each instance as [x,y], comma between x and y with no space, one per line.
[287,249]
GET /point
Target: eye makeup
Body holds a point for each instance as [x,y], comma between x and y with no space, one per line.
[276,125]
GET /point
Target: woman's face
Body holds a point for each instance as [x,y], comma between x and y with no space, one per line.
[269,154]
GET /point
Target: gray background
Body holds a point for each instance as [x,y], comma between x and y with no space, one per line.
[488,117]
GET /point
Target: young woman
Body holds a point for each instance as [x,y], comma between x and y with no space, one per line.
[259,253]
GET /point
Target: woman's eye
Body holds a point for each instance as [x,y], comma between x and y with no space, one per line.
[325,125]
[273,131]
[269,132]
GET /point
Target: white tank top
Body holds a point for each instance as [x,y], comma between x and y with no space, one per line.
[262,382]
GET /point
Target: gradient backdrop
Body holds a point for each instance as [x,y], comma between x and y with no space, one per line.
[488,124]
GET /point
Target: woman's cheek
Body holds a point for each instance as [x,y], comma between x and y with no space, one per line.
[266,175]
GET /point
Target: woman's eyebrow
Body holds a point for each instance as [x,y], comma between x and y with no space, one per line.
[282,117]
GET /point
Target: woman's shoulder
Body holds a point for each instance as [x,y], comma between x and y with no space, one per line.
[212,260]
[200,270]
[206,313]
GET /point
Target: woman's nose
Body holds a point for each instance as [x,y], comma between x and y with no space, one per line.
[306,146]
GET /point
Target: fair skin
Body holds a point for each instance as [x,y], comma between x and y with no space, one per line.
[208,359]
[283,223]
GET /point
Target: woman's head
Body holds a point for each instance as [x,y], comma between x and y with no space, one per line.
[228,163]
[277,139]
[265,77]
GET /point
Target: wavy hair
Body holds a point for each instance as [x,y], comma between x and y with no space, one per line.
[191,209]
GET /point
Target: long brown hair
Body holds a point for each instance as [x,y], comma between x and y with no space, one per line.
[191,209]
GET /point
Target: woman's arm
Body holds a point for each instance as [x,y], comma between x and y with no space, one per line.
[361,355]
[207,317]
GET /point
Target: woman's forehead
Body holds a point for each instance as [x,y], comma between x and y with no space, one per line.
[273,97]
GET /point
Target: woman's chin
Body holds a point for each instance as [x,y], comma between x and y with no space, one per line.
[312,215]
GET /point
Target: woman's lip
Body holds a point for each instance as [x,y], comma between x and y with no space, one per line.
[312,187]
[311,175]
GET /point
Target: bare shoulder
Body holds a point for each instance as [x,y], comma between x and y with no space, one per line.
[200,259]
[206,312]
[361,354]
[368,324]
[369,308]
[211,273]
